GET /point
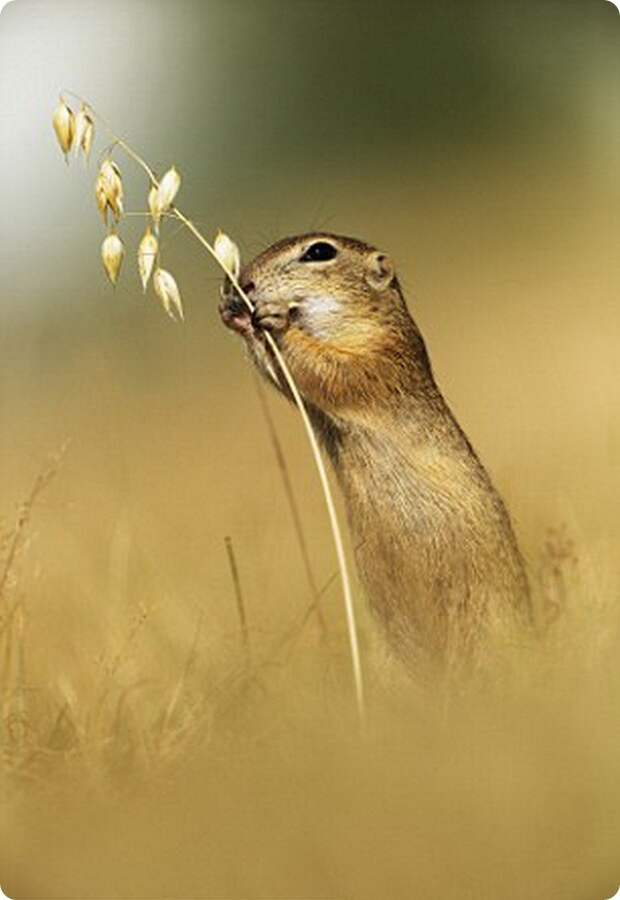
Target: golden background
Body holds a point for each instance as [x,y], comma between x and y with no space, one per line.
[478,144]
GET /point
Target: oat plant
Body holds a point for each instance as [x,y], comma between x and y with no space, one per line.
[75,134]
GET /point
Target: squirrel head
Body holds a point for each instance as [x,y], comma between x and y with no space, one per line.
[335,288]
[327,299]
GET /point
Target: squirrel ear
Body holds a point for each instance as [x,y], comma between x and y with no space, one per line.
[380,271]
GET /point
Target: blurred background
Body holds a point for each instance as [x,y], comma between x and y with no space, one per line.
[477,143]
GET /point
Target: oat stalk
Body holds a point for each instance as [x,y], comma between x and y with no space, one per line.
[24,513]
[293,506]
[243,621]
[175,212]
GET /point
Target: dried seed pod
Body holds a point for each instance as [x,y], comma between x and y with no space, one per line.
[147,252]
[102,198]
[87,140]
[168,189]
[168,292]
[112,184]
[112,252]
[228,253]
[63,121]
[154,208]
[84,131]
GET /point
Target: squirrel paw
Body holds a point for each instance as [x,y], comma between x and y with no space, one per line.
[234,313]
[271,316]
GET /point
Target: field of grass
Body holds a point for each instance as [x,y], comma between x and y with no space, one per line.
[151,748]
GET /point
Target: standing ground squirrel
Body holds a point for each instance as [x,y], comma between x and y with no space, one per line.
[435,547]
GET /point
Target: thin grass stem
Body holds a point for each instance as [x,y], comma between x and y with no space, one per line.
[316,606]
[320,465]
[243,622]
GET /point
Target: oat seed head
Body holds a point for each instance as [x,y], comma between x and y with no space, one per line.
[84,131]
[154,209]
[101,198]
[167,190]
[63,121]
[147,253]
[111,185]
[168,293]
[228,253]
[112,252]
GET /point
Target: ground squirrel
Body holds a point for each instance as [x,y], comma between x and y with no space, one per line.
[434,544]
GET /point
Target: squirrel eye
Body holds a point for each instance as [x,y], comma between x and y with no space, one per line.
[319,252]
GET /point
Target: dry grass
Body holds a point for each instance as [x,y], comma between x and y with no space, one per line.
[111,731]
[245,776]
[144,756]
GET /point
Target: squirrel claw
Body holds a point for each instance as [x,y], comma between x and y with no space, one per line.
[270,316]
[235,315]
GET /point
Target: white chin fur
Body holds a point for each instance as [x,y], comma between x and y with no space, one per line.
[319,312]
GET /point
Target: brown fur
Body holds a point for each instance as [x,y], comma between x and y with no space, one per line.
[436,550]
